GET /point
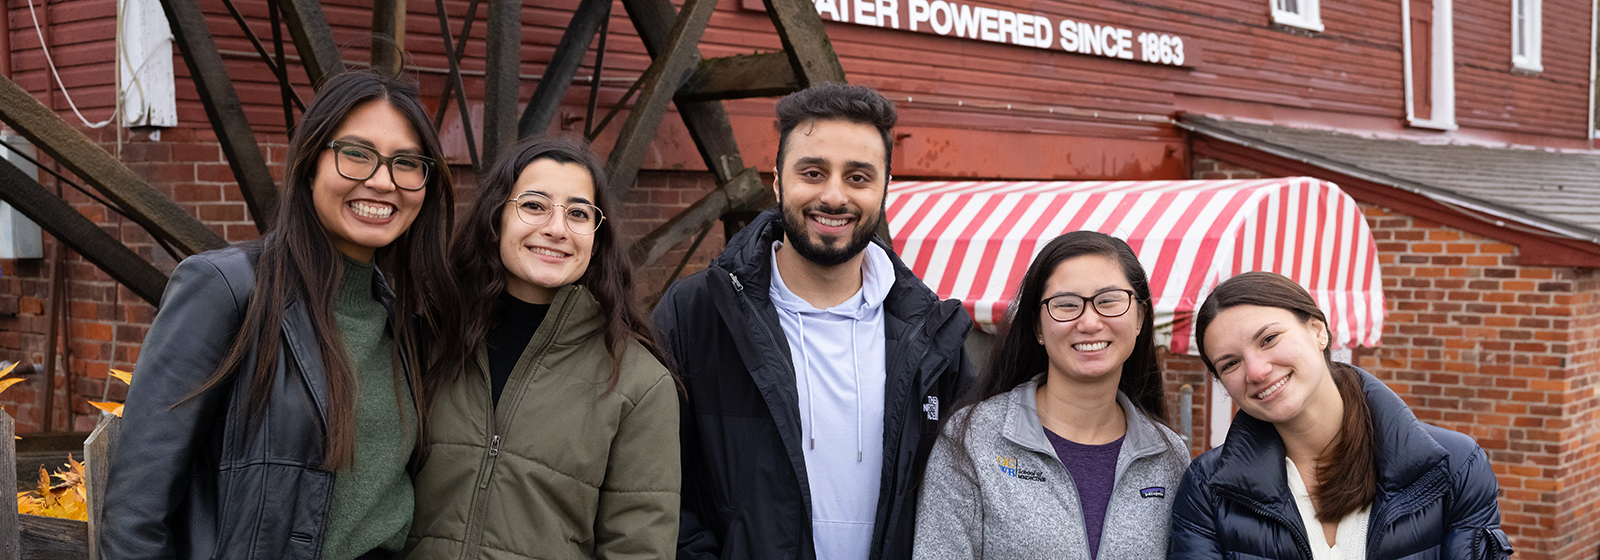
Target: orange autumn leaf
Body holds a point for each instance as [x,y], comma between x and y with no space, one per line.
[7,383]
[125,377]
[65,499]
[110,407]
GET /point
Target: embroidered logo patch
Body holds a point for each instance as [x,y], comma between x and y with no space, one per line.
[1153,492]
[1008,466]
[932,408]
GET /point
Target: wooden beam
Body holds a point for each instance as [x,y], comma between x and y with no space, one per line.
[10,549]
[501,81]
[49,538]
[661,81]
[313,39]
[82,235]
[546,100]
[223,109]
[739,77]
[744,192]
[88,160]
[388,34]
[707,123]
[805,41]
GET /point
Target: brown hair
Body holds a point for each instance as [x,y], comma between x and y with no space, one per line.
[1347,470]
[481,275]
[299,261]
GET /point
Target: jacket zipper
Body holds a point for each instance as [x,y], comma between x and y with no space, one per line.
[1300,539]
[480,501]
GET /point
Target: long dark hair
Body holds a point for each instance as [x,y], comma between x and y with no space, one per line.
[299,261]
[481,274]
[1020,357]
[1347,471]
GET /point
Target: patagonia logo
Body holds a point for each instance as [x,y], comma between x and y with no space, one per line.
[1153,492]
[932,408]
[1008,466]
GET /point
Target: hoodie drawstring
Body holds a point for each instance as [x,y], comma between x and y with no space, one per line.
[811,401]
[855,367]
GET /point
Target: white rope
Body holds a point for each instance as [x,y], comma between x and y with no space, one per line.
[52,64]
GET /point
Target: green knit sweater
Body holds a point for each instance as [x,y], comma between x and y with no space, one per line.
[372,498]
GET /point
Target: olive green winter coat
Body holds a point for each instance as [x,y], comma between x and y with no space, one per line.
[563,468]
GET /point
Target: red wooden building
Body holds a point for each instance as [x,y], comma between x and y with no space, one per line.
[1464,129]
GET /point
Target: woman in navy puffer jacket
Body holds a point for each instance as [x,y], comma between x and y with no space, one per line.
[1323,461]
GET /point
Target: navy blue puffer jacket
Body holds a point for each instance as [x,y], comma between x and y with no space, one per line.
[1435,501]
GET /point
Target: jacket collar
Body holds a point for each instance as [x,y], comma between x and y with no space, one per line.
[1251,460]
[1024,428]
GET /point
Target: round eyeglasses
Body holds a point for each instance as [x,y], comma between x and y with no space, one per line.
[535,209]
[359,163]
[1108,303]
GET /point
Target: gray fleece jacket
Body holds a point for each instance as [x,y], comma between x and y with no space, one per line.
[1007,495]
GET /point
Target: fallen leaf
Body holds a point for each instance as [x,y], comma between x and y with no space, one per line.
[111,407]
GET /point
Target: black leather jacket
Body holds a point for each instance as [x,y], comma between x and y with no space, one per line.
[190,479]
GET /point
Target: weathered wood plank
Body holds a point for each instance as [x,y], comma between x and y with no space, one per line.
[706,121]
[313,39]
[69,225]
[388,34]
[69,147]
[501,80]
[557,77]
[48,538]
[805,41]
[9,547]
[661,81]
[97,450]
[744,192]
[223,110]
[739,77]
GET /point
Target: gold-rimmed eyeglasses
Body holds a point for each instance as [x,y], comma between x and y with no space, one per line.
[535,209]
[1108,303]
[359,163]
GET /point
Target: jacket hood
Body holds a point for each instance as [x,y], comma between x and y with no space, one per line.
[1251,459]
[749,257]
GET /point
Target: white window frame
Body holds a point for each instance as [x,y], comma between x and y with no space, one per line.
[1308,14]
[1527,30]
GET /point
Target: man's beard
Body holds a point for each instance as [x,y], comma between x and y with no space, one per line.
[794,227]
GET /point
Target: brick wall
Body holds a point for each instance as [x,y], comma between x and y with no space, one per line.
[1505,353]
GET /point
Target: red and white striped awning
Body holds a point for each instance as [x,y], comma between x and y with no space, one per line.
[974,240]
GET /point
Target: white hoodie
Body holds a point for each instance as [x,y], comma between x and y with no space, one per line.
[839,366]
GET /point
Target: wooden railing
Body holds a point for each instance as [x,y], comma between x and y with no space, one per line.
[30,537]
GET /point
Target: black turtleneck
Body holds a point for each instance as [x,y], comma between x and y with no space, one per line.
[515,324]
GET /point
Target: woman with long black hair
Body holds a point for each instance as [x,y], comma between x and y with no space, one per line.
[1060,450]
[1323,461]
[276,406]
[559,437]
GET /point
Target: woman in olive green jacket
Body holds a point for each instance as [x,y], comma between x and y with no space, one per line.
[560,437]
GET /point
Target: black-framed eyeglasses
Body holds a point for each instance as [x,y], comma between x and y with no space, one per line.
[1114,302]
[359,163]
[535,210]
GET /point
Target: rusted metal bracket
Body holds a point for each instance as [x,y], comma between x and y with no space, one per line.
[739,77]
[223,110]
[69,147]
[70,227]
[501,80]
[805,41]
[313,39]
[546,100]
[744,192]
[669,70]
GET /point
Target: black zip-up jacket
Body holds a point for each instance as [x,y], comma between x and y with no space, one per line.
[190,478]
[745,494]
[1436,494]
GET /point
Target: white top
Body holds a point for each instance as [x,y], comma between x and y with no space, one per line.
[839,365]
[1350,540]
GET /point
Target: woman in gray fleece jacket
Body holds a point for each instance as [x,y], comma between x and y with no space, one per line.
[1063,454]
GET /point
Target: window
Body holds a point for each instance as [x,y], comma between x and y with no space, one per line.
[1299,13]
[1525,35]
